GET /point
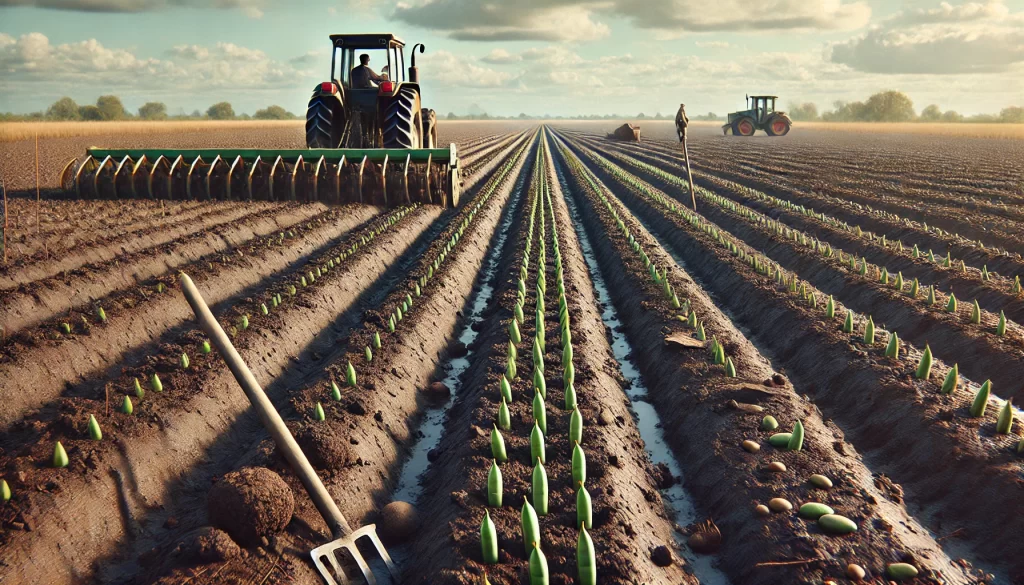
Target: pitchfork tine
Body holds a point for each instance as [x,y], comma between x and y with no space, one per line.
[344,536]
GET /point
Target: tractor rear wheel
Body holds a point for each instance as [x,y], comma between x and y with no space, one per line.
[777,126]
[323,126]
[429,120]
[744,127]
[403,126]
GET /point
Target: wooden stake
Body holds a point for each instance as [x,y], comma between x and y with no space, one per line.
[689,175]
[3,211]
[38,201]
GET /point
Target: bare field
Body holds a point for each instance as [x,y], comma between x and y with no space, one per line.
[753,394]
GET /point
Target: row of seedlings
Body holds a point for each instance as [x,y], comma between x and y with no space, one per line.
[899,224]
[972,333]
[980,450]
[805,464]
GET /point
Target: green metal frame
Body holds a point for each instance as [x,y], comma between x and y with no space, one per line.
[437,155]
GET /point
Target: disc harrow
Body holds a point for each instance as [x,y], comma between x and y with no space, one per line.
[385,177]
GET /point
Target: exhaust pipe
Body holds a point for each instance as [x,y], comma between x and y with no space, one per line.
[414,72]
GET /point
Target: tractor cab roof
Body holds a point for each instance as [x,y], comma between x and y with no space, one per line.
[367,41]
[770,97]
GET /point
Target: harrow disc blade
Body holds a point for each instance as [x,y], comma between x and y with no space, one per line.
[384,177]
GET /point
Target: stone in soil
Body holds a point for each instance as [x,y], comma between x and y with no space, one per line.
[209,545]
[437,391]
[661,555]
[777,466]
[249,504]
[751,446]
[780,505]
[397,522]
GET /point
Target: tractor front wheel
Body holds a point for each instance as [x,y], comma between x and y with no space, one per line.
[743,127]
[403,126]
[777,127]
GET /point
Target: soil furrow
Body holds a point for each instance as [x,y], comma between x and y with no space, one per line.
[33,303]
[89,508]
[701,403]
[870,397]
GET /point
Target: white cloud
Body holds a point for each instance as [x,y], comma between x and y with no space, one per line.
[575,20]
[948,40]
[444,68]
[500,57]
[251,8]
[712,44]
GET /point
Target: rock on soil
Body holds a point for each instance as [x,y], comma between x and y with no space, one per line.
[662,556]
[208,545]
[437,391]
[397,522]
[249,504]
[324,444]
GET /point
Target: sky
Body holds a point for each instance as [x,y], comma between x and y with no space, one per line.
[504,57]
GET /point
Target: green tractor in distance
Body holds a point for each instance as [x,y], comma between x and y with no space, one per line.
[353,111]
[760,115]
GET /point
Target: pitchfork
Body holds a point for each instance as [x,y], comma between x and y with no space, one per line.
[344,536]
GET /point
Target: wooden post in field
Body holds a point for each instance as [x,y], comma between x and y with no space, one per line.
[3,213]
[38,201]
[681,123]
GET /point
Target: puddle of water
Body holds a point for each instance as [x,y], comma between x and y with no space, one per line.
[648,422]
[409,488]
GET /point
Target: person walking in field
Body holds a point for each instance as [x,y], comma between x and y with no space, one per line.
[681,122]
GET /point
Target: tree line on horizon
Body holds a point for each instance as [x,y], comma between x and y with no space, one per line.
[884,106]
[895,106]
[110,108]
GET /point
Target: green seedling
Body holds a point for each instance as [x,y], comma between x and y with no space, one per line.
[60,456]
[489,540]
[243,322]
[65,328]
[915,288]
[205,348]
[830,308]
[981,400]
[101,314]
[510,368]
[335,391]
[538,567]
[126,405]
[586,559]
[376,340]
[530,526]
[579,465]
[931,296]
[1005,423]
[796,438]
[318,412]
[184,361]
[924,367]
[537,445]
[575,427]
[1001,326]
[730,368]
[892,350]
[498,452]
[156,384]
[584,507]
[513,332]
[951,304]
[768,423]
[976,313]
[952,379]
[540,415]
[539,384]
[495,487]
[569,375]
[504,416]
[848,323]
[369,354]
[5,491]
[570,397]
[350,375]
[869,331]
[540,489]
[95,433]
[263,309]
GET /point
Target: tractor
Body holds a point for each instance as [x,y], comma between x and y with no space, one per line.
[760,115]
[368,140]
[359,113]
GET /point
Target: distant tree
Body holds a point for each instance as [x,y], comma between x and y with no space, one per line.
[452,116]
[244,116]
[804,112]
[63,109]
[273,113]
[153,111]
[111,108]
[91,113]
[640,116]
[195,114]
[890,106]
[1012,115]
[522,116]
[931,114]
[221,111]
[952,116]
[983,118]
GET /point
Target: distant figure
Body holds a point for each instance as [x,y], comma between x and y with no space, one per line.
[363,77]
[681,122]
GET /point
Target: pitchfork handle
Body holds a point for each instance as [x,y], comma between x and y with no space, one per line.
[268,414]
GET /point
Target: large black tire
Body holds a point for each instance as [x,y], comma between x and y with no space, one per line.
[402,127]
[323,124]
[744,126]
[429,120]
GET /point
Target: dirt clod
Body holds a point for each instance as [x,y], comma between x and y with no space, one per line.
[209,545]
[397,522]
[605,418]
[437,391]
[751,446]
[777,466]
[661,555]
[855,572]
[780,505]
[324,444]
[250,503]
[762,510]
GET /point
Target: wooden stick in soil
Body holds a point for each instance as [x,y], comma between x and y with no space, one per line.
[38,201]
[3,212]
[689,175]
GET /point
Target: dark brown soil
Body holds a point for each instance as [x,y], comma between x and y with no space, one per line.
[250,504]
[895,401]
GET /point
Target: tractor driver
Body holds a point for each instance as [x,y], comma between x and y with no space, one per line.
[363,77]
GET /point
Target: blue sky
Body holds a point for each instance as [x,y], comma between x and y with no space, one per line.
[534,56]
